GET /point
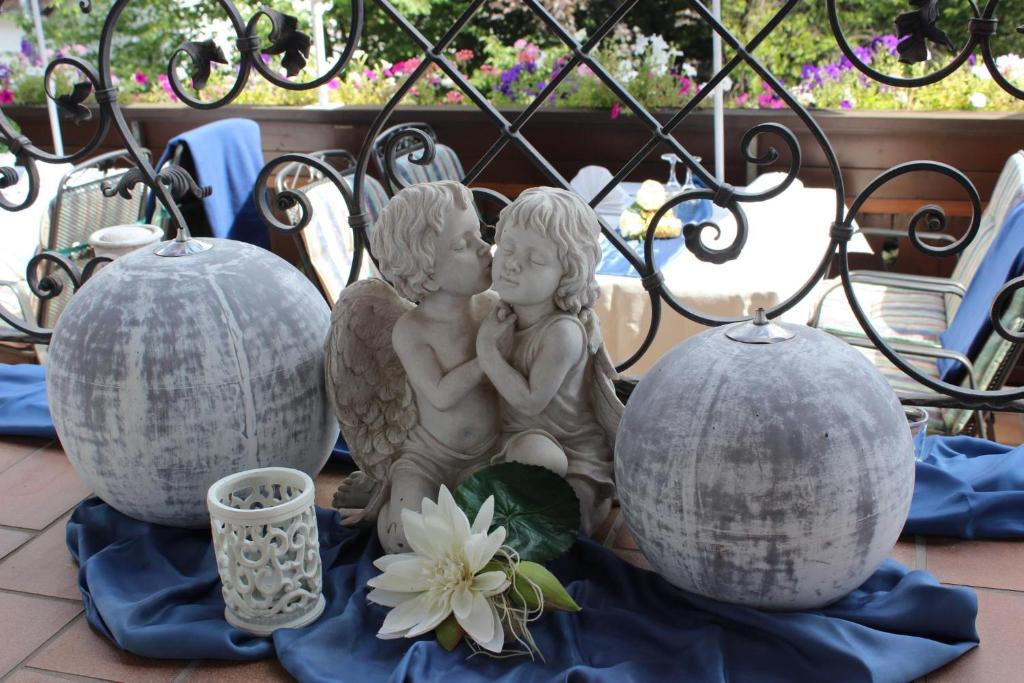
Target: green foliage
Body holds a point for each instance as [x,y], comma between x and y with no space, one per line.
[539,510]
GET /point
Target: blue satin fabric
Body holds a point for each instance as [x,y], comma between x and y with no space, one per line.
[155,592]
[969,488]
[24,410]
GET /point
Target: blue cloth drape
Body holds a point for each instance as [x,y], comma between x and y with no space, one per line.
[228,156]
[155,592]
[969,488]
[24,409]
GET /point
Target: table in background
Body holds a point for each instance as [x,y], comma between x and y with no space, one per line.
[787,238]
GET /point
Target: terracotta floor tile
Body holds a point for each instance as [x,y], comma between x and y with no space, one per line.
[11,539]
[624,539]
[327,483]
[81,651]
[27,622]
[39,489]
[35,676]
[265,671]
[1009,428]
[989,564]
[1000,656]
[42,566]
[905,552]
[14,449]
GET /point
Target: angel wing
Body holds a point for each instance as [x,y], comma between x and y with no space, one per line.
[366,383]
[607,406]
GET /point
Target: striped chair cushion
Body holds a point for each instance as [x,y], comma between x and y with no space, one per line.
[328,238]
[1009,192]
[902,383]
[899,314]
[445,166]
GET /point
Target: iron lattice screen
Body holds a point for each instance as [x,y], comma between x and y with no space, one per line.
[172,184]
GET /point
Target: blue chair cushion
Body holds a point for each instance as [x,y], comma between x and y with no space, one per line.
[971,325]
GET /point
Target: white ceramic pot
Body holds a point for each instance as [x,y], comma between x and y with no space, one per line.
[118,240]
[267,549]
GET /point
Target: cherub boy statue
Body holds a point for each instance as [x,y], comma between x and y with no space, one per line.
[415,407]
[558,404]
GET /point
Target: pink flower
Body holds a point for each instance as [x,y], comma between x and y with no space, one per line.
[333,84]
[488,69]
[529,54]
[433,79]
[453,97]
[6,96]
[165,83]
[685,85]
[742,99]
[414,92]
[79,49]
[140,78]
[616,110]
[463,56]
[370,74]
[519,44]
[584,70]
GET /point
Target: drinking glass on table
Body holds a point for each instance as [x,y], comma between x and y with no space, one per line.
[917,420]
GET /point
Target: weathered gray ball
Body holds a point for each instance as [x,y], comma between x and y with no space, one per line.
[774,475]
[167,374]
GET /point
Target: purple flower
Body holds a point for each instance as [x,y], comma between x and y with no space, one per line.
[846,104]
[6,96]
[972,60]
[5,71]
[864,54]
[26,48]
[834,71]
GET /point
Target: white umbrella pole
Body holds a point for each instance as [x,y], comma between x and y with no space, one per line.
[716,66]
[51,106]
[318,47]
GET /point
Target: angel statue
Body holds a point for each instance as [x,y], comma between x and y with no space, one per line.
[414,404]
[557,401]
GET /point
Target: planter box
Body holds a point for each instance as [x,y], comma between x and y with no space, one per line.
[866,143]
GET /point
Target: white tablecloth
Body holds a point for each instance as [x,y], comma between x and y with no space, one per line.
[19,230]
[786,240]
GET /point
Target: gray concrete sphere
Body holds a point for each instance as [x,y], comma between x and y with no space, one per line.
[777,476]
[166,374]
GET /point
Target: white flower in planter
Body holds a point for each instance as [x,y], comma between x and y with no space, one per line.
[443,575]
[978,100]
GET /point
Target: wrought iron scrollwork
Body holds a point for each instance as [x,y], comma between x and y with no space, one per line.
[919,25]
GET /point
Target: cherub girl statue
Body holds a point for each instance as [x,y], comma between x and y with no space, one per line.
[557,401]
[415,407]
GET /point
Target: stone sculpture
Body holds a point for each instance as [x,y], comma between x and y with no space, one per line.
[428,394]
[413,402]
[558,404]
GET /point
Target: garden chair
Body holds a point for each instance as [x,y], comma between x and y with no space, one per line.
[79,209]
[445,165]
[941,325]
[325,245]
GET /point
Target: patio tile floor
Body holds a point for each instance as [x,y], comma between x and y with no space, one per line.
[44,638]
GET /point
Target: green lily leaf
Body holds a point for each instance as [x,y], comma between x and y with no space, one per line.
[539,510]
[449,633]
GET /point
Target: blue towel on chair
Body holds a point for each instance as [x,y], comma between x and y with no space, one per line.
[228,156]
[971,325]
[155,592]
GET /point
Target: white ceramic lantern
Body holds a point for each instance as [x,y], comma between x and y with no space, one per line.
[267,549]
[765,465]
[168,373]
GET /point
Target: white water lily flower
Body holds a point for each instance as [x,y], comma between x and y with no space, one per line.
[443,574]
